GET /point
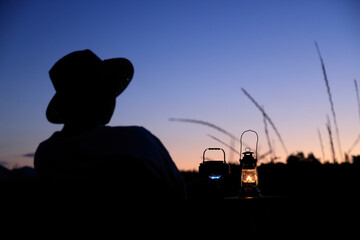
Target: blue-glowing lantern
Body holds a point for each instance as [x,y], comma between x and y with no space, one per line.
[249,175]
[215,169]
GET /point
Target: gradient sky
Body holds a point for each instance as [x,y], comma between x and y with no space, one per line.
[191,60]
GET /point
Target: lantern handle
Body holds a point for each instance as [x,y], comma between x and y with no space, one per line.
[213,149]
[257,140]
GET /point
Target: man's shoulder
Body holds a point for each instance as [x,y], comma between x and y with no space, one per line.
[49,141]
[136,129]
[128,131]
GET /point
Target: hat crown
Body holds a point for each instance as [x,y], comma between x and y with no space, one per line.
[77,70]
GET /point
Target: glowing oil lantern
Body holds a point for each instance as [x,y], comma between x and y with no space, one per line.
[249,175]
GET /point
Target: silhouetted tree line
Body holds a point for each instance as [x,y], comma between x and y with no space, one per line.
[299,175]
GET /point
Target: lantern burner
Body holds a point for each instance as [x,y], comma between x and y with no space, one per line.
[214,170]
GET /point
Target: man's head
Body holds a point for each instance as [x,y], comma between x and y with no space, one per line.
[87,87]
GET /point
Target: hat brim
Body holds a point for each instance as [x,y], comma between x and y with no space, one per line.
[54,111]
[117,74]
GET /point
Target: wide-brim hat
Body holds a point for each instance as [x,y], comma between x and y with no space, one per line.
[82,74]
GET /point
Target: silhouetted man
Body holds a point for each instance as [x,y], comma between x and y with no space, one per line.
[128,160]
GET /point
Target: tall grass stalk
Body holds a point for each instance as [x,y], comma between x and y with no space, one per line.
[224,143]
[357,97]
[265,115]
[208,124]
[330,100]
[358,103]
[272,157]
[328,126]
[321,145]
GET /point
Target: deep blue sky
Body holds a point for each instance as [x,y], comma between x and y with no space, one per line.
[191,59]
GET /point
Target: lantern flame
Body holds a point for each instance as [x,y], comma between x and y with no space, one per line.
[249,176]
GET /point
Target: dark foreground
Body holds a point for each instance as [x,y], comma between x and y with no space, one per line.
[306,200]
[299,199]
